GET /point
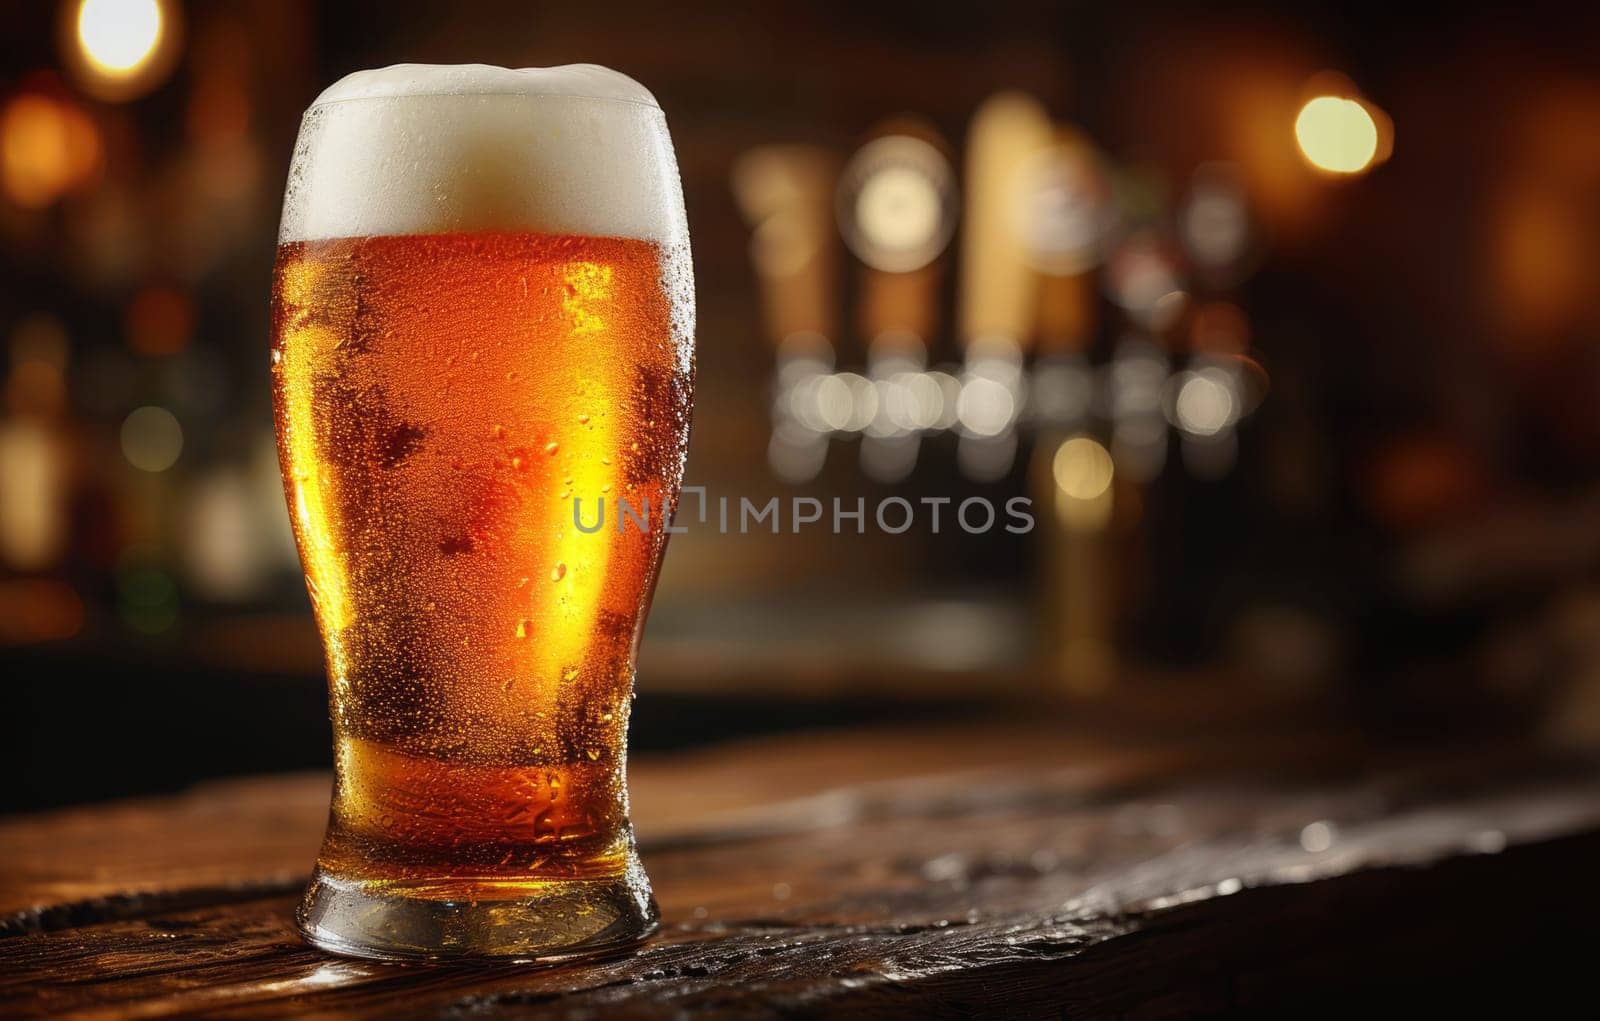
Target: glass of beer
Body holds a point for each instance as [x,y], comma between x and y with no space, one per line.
[482,314]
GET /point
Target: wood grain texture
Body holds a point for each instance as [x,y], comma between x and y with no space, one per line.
[940,871]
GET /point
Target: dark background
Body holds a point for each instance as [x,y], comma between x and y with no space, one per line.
[1407,536]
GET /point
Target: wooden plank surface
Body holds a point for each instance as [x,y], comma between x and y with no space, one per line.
[948,869]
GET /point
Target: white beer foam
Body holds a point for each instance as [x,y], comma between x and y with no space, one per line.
[430,149]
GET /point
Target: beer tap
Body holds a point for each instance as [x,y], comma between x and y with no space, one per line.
[999,287]
[897,209]
[786,195]
[1057,247]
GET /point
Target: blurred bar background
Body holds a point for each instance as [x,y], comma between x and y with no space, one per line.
[1285,320]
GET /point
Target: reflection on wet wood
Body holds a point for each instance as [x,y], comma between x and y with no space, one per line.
[929,870]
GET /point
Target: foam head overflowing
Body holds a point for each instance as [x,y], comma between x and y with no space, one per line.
[432,149]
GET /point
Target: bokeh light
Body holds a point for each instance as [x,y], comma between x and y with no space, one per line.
[152,439]
[1082,468]
[119,49]
[897,208]
[1143,276]
[897,203]
[1205,404]
[1063,390]
[1336,134]
[48,147]
[986,406]
[119,35]
[33,527]
[1083,471]
[1065,208]
[1215,222]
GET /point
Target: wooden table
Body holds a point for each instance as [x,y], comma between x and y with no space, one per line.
[945,870]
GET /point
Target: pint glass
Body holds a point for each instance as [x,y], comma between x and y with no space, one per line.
[482,314]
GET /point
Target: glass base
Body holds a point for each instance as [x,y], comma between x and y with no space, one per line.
[500,921]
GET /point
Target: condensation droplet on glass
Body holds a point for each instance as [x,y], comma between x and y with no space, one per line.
[583,419]
[524,628]
[551,448]
[558,572]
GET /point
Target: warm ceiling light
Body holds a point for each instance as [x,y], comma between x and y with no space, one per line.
[118,36]
[119,49]
[1337,135]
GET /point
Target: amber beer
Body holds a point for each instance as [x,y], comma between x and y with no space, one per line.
[443,396]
